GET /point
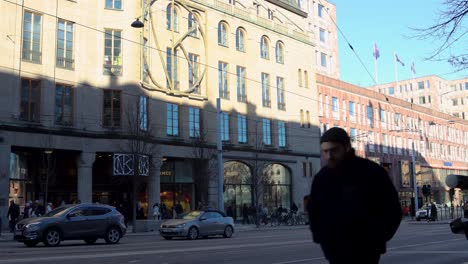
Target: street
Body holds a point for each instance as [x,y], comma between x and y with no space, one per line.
[414,243]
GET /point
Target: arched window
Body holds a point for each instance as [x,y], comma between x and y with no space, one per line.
[222,34]
[279,52]
[193,25]
[299,77]
[240,39]
[302,118]
[306,79]
[172,18]
[264,44]
[237,187]
[276,187]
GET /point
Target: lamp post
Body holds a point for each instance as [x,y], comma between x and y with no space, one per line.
[48,152]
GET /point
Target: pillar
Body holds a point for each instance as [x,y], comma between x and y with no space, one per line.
[85,176]
[213,183]
[4,184]
[154,187]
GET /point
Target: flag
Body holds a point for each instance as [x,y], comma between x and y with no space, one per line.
[398,60]
[413,68]
[376,51]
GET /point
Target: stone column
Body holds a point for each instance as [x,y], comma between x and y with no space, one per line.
[85,176]
[154,186]
[4,184]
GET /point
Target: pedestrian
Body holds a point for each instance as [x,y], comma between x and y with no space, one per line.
[26,210]
[156,212]
[358,231]
[49,208]
[245,215]
[229,211]
[433,212]
[13,215]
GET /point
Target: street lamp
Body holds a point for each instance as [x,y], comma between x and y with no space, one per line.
[137,23]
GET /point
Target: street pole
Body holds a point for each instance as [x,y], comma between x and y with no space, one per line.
[415,186]
[220,158]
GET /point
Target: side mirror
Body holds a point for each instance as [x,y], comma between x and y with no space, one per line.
[202,218]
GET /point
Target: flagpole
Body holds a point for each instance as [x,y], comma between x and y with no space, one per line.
[376,69]
[396,67]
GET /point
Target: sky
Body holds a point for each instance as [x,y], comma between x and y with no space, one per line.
[389,24]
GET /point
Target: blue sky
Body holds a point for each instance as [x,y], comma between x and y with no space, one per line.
[389,24]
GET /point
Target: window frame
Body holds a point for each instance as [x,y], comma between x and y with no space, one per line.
[282,139]
[240,83]
[223,34]
[266,135]
[194,122]
[62,103]
[113,119]
[33,115]
[172,120]
[242,129]
[264,48]
[31,42]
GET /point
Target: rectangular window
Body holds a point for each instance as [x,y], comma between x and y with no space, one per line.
[421,85]
[422,100]
[114,4]
[112,112]
[194,72]
[320,10]
[194,122]
[280,93]
[466,86]
[335,104]
[224,127]
[323,59]
[242,128]
[223,80]
[352,134]
[65,44]
[351,108]
[63,105]
[266,90]
[30,100]
[382,115]
[428,84]
[322,35]
[391,90]
[32,37]
[266,131]
[172,120]
[172,69]
[113,52]
[281,134]
[240,75]
[143,113]
[304,168]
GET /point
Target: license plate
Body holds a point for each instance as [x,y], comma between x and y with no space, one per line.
[18,232]
[166,230]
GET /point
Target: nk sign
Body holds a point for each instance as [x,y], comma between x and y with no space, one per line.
[123,164]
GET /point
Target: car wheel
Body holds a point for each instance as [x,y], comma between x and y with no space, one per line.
[112,235]
[167,237]
[228,231]
[192,233]
[90,241]
[52,237]
[31,243]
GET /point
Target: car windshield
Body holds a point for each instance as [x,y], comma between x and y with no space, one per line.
[57,212]
[191,215]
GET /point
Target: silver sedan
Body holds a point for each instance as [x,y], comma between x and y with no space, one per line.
[198,223]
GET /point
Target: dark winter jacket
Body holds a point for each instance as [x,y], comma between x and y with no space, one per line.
[353,207]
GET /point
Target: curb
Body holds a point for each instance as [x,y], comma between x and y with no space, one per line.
[238,229]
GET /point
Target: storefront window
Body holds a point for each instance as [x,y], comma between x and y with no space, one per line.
[277,187]
[177,187]
[237,187]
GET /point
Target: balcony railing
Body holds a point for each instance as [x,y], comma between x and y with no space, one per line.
[65,63]
[266,103]
[31,55]
[114,70]
[281,106]
[224,94]
[242,98]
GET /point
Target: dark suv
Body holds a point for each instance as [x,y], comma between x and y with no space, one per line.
[71,222]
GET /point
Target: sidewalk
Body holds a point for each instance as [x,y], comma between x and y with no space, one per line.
[6,236]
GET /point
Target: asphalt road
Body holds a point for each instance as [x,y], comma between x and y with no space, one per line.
[414,243]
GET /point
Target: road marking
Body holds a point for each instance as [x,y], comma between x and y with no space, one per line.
[428,243]
[150,252]
[299,260]
[431,252]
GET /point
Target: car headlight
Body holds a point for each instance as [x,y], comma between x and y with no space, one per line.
[32,226]
[180,226]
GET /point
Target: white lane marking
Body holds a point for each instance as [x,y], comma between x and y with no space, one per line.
[299,261]
[431,252]
[149,252]
[428,243]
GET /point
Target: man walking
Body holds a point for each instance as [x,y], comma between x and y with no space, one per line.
[357,231]
[13,214]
